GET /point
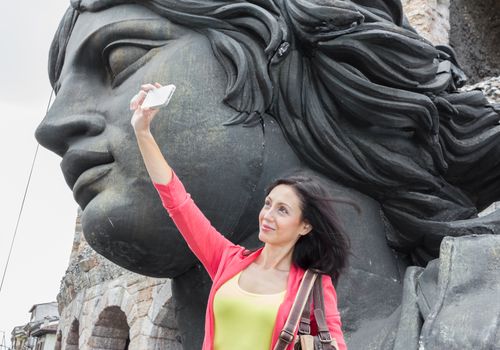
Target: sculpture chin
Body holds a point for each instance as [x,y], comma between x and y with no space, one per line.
[136,237]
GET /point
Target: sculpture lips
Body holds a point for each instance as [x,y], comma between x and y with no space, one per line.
[76,162]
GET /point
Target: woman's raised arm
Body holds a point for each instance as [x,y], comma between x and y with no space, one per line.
[202,238]
[158,169]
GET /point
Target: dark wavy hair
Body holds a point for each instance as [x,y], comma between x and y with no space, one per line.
[359,96]
[326,248]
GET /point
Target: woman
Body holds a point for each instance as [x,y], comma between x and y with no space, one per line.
[252,293]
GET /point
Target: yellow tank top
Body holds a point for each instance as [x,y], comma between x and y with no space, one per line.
[244,320]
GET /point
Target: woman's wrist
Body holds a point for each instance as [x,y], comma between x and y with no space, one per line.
[143,132]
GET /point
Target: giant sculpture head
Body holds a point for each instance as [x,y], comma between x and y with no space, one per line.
[345,88]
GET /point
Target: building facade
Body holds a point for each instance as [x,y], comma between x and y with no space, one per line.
[40,332]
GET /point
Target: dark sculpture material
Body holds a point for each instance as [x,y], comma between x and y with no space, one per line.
[343,89]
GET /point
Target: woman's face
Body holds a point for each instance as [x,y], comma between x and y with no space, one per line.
[280,219]
[109,55]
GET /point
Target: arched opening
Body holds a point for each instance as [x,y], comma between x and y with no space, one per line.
[475,36]
[111,331]
[73,336]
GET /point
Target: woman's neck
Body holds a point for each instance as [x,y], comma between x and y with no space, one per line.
[277,258]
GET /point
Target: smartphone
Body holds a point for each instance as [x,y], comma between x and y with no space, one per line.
[159,97]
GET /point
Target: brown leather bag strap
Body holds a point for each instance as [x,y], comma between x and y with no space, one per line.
[305,318]
[319,313]
[287,334]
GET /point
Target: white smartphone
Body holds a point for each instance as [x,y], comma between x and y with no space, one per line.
[159,97]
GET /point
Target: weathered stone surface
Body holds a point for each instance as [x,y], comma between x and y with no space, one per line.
[475,36]
[489,86]
[92,285]
[453,303]
[410,322]
[88,264]
[466,307]
[430,18]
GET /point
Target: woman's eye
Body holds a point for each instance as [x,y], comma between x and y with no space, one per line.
[283,210]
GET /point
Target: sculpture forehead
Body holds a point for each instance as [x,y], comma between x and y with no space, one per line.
[91,22]
[96,5]
[95,20]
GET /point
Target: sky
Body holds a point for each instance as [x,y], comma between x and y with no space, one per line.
[44,238]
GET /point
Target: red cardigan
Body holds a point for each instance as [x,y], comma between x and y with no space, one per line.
[222,259]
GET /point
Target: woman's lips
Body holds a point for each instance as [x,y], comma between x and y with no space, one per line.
[266,228]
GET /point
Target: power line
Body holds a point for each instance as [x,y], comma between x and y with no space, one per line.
[18,218]
[22,204]
[3,345]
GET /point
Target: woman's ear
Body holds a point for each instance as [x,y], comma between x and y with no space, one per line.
[306,229]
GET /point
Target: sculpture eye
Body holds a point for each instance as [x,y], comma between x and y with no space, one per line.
[124,57]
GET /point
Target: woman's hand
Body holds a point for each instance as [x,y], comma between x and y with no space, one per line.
[156,165]
[142,117]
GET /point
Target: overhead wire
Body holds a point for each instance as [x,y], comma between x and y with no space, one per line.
[22,203]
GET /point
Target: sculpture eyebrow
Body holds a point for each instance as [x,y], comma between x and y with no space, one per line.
[142,31]
[146,28]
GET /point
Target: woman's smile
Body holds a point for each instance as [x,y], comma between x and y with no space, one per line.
[266,228]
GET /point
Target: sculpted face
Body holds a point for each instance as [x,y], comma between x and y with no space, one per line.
[109,55]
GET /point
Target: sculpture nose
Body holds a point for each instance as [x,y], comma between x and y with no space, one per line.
[57,133]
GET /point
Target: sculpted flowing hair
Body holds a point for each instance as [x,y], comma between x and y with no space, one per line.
[359,96]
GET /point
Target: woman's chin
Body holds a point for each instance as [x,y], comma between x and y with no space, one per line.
[262,237]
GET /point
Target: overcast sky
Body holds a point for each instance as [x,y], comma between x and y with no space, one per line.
[44,238]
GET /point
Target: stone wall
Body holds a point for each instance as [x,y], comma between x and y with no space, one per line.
[103,306]
[489,86]
[470,27]
[431,18]
[491,89]
[475,36]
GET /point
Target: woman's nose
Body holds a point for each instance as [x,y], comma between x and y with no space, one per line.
[269,214]
[57,131]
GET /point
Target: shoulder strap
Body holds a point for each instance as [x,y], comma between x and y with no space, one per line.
[306,285]
[319,313]
[305,318]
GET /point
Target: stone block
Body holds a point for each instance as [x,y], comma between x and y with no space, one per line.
[114,296]
[143,308]
[145,294]
[88,264]
[430,18]
[468,282]
[107,343]
[109,332]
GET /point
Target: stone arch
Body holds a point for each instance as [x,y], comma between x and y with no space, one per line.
[111,331]
[73,337]
[475,36]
